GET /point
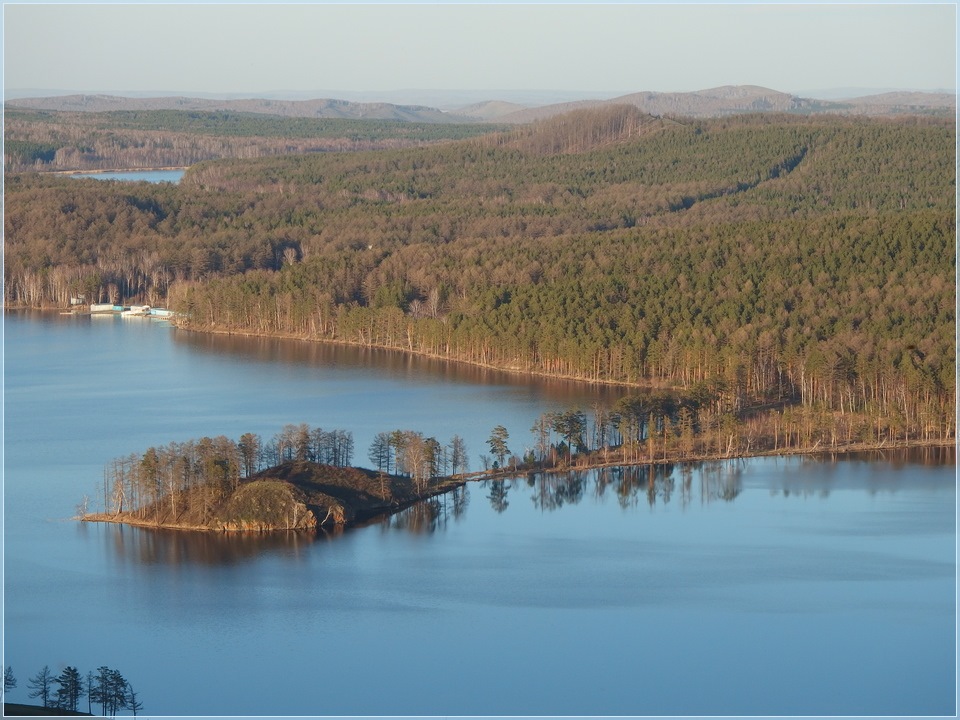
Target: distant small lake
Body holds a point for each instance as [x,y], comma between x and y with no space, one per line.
[152,176]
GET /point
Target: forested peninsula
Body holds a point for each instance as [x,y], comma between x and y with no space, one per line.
[779,270]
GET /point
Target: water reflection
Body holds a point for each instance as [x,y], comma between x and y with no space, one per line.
[551,491]
[657,485]
[147,546]
[391,363]
[498,494]
[721,480]
[897,458]
[875,471]
[429,516]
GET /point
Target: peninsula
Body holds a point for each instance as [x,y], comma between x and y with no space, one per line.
[217,484]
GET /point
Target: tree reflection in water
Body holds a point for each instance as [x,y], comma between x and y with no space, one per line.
[428,516]
[498,495]
[875,471]
[554,490]
[658,484]
[720,480]
[148,546]
[655,482]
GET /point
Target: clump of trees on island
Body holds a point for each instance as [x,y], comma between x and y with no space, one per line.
[197,483]
[104,687]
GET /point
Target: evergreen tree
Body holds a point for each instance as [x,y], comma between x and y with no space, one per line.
[379,452]
[41,686]
[70,690]
[9,681]
[498,444]
[133,701]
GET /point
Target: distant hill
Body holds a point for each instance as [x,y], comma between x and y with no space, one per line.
[901,103]
[490,110]
[580,131]
[738,99]
[320,108]
[714,102]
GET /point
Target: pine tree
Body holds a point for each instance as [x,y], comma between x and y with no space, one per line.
[71,689]
[498,443]
[9,681]
[40,685]
[133,701]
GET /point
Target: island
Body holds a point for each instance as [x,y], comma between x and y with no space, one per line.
[295,495]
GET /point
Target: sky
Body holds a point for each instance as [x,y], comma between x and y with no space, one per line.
[605,50]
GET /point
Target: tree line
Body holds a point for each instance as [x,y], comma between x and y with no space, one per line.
[104,687]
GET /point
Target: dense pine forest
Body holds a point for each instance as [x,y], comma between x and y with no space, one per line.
[753,262]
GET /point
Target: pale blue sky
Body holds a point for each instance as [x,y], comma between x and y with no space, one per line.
[602,49]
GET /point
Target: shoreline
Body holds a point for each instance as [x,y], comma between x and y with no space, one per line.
[515,371]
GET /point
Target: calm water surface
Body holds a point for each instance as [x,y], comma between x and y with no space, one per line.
[769,586]
[153,176]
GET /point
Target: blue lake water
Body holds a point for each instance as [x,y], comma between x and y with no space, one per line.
[152,176]
[762,587]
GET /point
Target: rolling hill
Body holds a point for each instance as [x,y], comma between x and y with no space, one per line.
[714,102]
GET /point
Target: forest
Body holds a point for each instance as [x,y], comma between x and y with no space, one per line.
[799,266]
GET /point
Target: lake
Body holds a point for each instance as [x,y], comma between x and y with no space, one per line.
[770,586]
[151,176]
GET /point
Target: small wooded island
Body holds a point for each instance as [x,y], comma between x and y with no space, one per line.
[300,479]
[296,495]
